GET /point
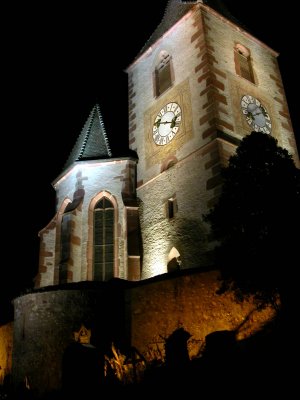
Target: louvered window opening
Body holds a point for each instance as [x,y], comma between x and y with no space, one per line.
[163,75]
[245,67]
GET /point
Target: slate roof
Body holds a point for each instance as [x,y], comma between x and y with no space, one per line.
[176,9]
[92,142]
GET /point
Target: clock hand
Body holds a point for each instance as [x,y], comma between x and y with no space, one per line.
[173,122]
[158,123]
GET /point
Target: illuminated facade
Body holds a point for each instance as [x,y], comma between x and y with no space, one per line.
[199,85]
[226,83]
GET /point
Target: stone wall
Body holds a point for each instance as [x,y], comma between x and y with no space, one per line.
[44,328]
[221,36]
[162,305]
[6,345]
[141,314]
[185,182]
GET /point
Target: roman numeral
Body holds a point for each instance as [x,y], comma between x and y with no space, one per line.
[171,135]
[160,142]
[156,137]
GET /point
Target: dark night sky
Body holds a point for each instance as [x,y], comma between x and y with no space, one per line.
[57,63]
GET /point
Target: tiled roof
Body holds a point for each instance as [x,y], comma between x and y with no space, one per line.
[176,9]
[92,142]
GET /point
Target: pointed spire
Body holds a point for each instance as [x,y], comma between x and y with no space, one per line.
[92,143]
[176,9]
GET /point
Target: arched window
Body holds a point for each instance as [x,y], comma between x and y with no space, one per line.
[243,66]
[64,247]
[174,261]
[103,240]
[163,73]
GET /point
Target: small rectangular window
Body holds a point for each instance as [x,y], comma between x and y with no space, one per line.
[171,207]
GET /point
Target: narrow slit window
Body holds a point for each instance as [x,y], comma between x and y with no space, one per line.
[171,207]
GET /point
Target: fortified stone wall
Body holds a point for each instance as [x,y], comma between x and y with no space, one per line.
[160,306]
[44,328]
[141,314]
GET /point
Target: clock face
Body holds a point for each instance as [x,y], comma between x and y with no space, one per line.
[256,114]
[166,124]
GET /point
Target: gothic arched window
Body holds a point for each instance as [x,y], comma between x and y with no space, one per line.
[243,66]
[103,240]
[65,237]
[163,73]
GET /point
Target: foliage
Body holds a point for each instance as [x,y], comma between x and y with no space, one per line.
[125,368]
[155,355]
[132,367]
[256,218]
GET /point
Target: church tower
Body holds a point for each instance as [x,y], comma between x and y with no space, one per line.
[199,85]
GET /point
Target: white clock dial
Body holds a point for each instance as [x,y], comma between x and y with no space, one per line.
[166,124]
[256,115]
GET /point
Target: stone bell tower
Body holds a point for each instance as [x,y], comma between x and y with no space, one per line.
[199,85]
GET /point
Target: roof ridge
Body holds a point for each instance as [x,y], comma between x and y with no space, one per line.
[176,9]
[92,114]
[103,130]
[163,22]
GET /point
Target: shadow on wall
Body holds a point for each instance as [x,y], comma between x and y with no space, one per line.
[82,370]
[225,365]
[193,234]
